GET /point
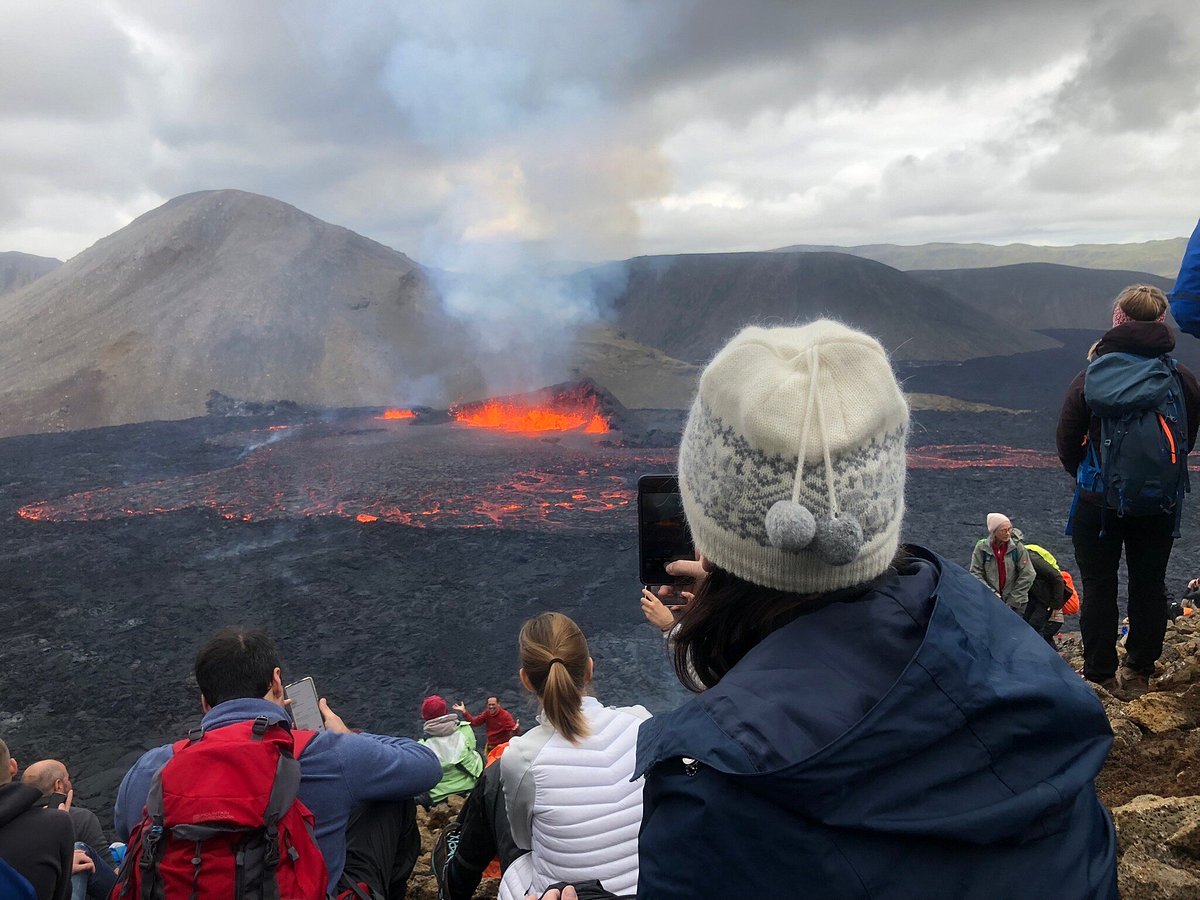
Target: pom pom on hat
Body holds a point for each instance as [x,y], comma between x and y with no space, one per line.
[997,520]
[434,707]
[838,541]
[790,526]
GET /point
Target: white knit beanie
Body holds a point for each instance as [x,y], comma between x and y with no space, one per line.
[997,520]
[809,522]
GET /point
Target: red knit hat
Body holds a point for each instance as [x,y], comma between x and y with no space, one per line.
[433,707]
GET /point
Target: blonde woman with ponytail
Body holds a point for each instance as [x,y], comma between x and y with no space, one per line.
[567,783]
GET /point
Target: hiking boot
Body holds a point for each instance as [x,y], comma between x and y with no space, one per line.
[1109,685]
[1131,682]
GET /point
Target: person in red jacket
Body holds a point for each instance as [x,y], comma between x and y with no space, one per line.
[499,722]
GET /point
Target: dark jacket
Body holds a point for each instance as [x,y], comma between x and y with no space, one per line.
[1076,421]
[1185,299]
[1047,589]
[38,842]
[921,741]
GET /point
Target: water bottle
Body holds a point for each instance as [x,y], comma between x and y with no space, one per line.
[117,849]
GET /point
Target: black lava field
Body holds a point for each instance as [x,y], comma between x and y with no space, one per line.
[389,559]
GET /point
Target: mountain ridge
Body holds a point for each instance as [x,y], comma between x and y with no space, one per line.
[1158,257]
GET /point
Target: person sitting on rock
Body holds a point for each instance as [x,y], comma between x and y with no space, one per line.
[50,776]
[454,743]
[498,721]
[568,787]
[35,841]
[1002,563]
[359,786]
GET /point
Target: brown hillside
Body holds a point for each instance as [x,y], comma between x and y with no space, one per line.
[226,291]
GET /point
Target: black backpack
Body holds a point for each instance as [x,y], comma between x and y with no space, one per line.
[1140,467]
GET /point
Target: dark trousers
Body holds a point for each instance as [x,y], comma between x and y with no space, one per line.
[485,835]
[1147,544]
[382,846]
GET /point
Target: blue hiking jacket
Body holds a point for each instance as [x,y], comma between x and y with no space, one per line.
[337,773]
[919,741]
[1185,299]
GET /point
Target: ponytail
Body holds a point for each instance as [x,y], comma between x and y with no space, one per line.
[554,655]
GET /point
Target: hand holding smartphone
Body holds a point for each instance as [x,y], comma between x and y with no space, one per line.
[305,706]
[663,535]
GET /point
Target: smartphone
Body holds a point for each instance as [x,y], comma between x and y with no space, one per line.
[663,534]
[305,708]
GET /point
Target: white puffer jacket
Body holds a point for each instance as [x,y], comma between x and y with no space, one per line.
[573,805]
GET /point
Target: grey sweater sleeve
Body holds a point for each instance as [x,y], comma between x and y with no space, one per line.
[88,831]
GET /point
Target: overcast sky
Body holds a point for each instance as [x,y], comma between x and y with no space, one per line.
[590,130]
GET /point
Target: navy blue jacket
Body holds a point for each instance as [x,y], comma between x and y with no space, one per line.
[1185,299]
[918,741]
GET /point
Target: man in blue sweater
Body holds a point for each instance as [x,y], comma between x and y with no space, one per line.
[359,787]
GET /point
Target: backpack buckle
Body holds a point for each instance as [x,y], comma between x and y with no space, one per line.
[261,724]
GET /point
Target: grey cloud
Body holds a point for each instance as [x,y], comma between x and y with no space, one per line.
[60,63]
[1140,71]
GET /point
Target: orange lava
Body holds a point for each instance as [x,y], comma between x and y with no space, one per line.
[365,517]
[525,419]
[398,414]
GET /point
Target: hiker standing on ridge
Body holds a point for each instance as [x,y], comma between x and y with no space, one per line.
[499,722]
[1129,494]
[1002,563]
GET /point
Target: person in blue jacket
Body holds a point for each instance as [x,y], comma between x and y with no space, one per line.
[1185,299]
[870,720]
[359,787]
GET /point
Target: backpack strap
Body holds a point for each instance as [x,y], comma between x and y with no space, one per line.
[301,738]
[153,840]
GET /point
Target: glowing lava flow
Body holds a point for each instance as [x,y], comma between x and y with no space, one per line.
[394,414]
[524,419]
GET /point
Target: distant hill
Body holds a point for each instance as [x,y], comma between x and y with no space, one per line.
[637,375]
[1041,295]
[688,306]
[19,269]
[226,291]
[1158,257]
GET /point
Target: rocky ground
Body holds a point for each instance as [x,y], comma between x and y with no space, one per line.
[1151,781]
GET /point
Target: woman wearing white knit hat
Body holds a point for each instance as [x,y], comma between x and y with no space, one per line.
[870,720]
[1002,563]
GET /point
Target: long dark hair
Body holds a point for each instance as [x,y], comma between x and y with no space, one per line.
[729,616]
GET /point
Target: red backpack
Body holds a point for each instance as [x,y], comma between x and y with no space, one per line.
[222,822]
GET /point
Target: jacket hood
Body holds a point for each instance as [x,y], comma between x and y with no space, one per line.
[985,736]
[16,799]
[442,725]
[1142,338]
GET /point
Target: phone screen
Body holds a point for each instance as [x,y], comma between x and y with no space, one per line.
[663,534]
[306,712]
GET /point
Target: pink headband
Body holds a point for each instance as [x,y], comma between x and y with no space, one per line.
[1120,318]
